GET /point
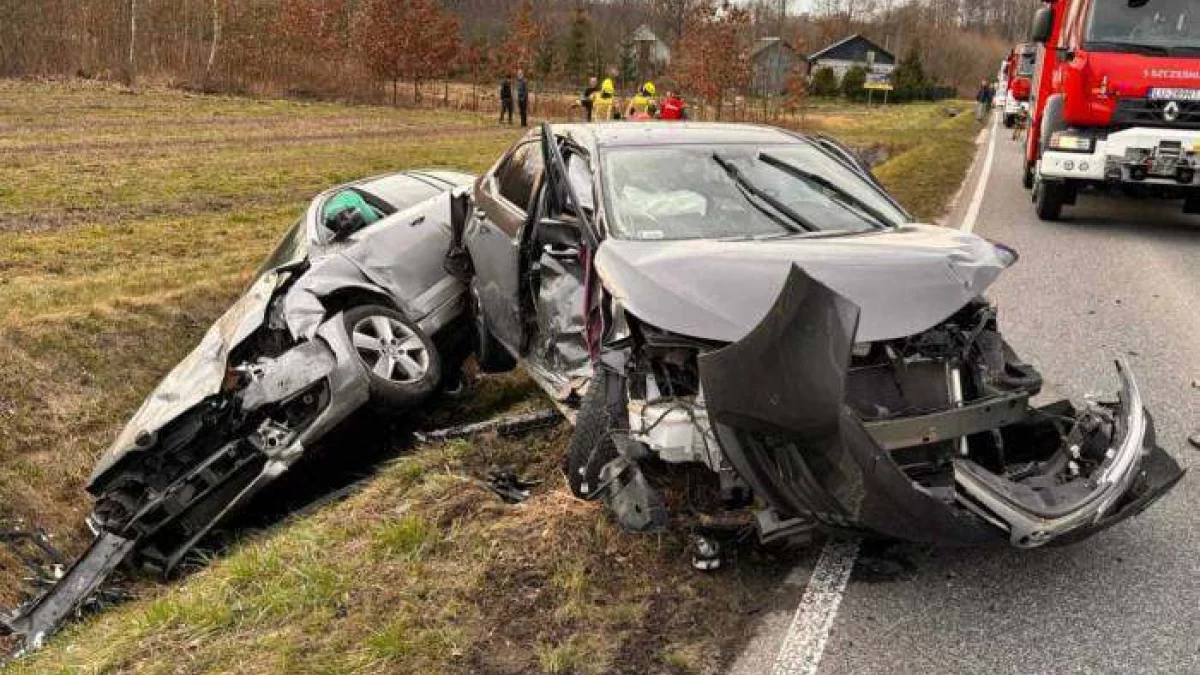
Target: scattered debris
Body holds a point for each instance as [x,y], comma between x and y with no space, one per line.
[509,486]
[506,427]
[1194,439]
[706,553]
[44,563]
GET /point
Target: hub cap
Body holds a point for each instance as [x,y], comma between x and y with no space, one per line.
[390,349]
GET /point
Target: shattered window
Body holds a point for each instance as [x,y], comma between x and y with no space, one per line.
[518,175]
[686,192]
[580,176]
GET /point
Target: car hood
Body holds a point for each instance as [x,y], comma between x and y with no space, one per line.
[198,376]
[904,280]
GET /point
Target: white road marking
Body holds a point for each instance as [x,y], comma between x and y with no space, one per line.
[806,637]
[968,224]
[804,644]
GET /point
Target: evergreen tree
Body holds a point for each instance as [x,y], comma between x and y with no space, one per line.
[853,82]
[909,78]
[824,83]
[575,49]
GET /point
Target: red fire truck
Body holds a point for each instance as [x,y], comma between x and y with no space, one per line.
[1018,72]
[1116,101]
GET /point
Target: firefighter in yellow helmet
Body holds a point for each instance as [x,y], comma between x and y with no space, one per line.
[643,106]
[604,101]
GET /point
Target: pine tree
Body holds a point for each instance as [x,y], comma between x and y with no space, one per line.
[853,82]
[575,49]
[825,83]
[909,77]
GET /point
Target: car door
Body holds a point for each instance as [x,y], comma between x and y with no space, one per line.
[503,199]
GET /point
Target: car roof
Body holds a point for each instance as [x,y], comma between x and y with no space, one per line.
[627,134]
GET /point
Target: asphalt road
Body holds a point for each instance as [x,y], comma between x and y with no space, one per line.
[1116,277]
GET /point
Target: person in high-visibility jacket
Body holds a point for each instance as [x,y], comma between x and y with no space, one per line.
[604,101]
[643,106]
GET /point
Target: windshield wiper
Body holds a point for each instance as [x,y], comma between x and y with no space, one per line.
[799,224]
[1131,47]
[845,198]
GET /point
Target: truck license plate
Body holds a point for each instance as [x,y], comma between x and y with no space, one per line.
[1169,94]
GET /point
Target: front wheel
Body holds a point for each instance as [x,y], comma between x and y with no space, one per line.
[1050,199]
[592,445]
[1027,179]
[402,364]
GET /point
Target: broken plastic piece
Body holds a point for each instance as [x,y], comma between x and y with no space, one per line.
[507,427]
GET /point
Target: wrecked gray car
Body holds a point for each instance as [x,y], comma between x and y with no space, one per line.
[353,307]
[752,302]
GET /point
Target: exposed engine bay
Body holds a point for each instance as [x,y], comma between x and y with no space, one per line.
[949,408]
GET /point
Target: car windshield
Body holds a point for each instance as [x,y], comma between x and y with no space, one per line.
[725,191]
[292,248]
[1169,26]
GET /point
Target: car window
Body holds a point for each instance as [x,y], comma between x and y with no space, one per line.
[400,191]
[518,174]
[292,248]
[580,176]
[683,192]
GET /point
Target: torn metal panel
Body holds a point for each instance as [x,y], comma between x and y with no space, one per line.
[276,380]
[904,280]
[198,376]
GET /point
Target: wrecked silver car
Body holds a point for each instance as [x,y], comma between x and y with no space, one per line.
[753,302]
[353,307]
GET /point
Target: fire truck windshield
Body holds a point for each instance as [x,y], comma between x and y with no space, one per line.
[1158,27]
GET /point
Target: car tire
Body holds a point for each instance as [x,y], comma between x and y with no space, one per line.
[402,364]
[1050,199]
[1010,121]
[1027,179]
[592,445]
[493,357]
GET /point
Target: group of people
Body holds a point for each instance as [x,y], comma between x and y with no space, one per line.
[506,98]
[599,102]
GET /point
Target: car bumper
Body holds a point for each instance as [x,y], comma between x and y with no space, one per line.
[1133,457]
[783,425]
[1167,157]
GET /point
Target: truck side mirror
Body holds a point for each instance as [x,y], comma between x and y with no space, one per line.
[1043,25]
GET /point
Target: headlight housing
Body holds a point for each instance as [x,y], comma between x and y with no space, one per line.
[1069,141]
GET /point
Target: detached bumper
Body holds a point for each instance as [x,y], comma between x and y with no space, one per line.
[783,425]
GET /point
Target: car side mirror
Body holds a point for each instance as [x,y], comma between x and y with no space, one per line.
[1043,25]
[344,223]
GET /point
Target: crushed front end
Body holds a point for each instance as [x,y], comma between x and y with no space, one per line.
[930,438]
[925,438]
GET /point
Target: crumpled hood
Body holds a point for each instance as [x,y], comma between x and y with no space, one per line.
[905,280]
[198,376]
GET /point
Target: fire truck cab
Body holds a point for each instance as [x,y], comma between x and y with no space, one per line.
[1116,101]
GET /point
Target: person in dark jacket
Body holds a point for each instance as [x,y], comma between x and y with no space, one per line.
[506,100]
[523,97]
[983,100]
[586,101]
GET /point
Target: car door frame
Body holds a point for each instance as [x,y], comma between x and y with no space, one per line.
[494,237]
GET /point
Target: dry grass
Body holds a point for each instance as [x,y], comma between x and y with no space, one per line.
[128,222]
